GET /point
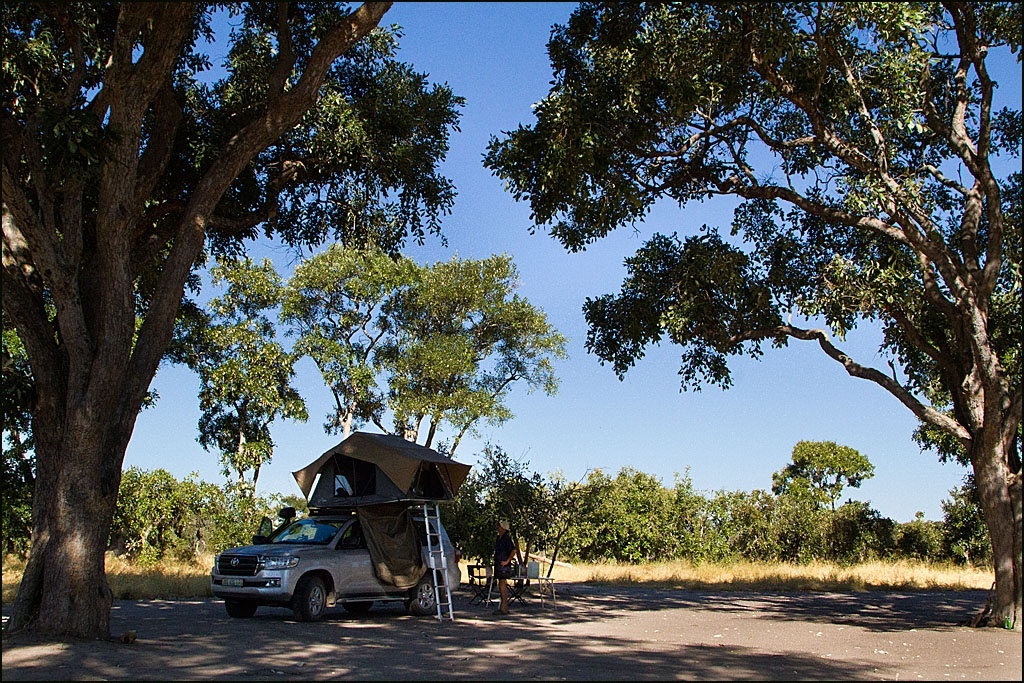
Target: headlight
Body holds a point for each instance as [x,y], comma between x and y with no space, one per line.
[278,562]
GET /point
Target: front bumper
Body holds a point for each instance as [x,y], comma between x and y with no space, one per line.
[264,588]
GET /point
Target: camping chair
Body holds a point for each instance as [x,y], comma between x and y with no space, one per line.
[517,585]
[480,583]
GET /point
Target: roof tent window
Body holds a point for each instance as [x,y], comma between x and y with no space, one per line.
[341,485]
[428,483]
[354,477]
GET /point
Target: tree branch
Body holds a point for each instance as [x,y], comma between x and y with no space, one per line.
[285,52]
[918,230]
[881,152]
[23,300]
[167,117]
[280,115]
[28,271]
[923,412]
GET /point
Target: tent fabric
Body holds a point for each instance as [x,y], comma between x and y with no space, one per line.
[390,533]
[347,482]
[417,472]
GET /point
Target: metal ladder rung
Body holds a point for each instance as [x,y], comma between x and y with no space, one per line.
[437,562]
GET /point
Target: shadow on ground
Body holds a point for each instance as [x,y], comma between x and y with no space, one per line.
[196,640]
[874,610]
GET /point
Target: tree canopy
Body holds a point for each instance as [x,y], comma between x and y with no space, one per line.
[872,161]
[245,375]
[337,305]
[438,346]
[822,469]
[464,338]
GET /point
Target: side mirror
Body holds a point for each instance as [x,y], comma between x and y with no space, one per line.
[287,514]
[263,532]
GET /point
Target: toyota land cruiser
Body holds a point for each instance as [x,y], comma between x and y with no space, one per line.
[319,561]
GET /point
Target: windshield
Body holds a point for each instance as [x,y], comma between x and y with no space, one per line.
[315,531]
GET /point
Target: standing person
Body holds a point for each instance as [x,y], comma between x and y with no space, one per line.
[504,553]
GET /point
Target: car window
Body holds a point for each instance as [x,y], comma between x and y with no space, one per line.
[352,537]
[314,531]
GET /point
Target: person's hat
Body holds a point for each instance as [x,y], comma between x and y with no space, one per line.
[503,524]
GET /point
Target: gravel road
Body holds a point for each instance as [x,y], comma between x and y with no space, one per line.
[591,633]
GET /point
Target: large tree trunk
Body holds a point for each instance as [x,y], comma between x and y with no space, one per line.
[64,591]
[999,489]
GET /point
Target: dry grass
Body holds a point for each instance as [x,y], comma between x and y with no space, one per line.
[184,580]
[170,579]
[901,575]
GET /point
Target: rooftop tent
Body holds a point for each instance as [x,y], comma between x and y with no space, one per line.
[369,469]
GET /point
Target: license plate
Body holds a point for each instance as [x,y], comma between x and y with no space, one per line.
[233,582]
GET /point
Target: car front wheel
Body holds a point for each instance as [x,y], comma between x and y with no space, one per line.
[423,600]
[310,601]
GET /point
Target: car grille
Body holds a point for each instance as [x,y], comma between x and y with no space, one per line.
[238,565]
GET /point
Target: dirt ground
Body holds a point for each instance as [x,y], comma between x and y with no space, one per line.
[590,633]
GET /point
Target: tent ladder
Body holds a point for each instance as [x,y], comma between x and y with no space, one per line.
[438,562]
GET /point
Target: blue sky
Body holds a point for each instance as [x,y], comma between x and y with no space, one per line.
[494,55]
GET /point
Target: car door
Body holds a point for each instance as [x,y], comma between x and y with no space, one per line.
[355,577]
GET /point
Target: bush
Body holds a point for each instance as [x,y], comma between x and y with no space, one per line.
[631,518]
[861,534]
[920,539]
[158,517]
[965,537]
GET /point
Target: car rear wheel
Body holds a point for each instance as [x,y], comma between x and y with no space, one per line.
[240,609]
[310,600]
[423,601]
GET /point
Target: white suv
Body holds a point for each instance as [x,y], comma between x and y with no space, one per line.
[316,562]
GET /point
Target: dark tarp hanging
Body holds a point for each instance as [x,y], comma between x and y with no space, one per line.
[390,533]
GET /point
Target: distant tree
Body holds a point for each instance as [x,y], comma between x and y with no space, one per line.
[819,471]
[581,537]
[463,339]
[298,502]
[822,469]
[161,516]
[725,524]
[145,516]
[628,518]
[802,531]
[498,487]
[123,159]
[751,516]
[439,345]
[511,492]
[859,533]
[861,142]
[337,305]
[231,515]
[556,512]
[692,516]
[466,522]
[245,375]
